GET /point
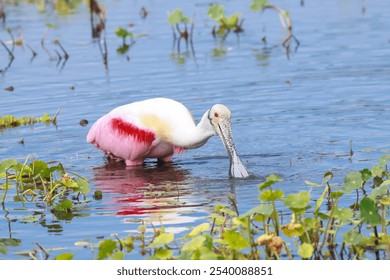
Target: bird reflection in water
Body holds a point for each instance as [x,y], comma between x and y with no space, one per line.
[139,190]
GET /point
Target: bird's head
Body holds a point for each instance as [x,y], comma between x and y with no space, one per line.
[220,119]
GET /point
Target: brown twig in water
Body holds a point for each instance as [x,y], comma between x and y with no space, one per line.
[12,39]
[57,42]
[2,13]
[43,43]
[34,54]
[54,121]
[286,23]
[11,55]
[43,250]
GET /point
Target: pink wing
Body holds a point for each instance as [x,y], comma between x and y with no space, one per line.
[120,137]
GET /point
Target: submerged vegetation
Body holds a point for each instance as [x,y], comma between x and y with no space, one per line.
[317,227]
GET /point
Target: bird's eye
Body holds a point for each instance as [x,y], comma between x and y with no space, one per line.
[216,115]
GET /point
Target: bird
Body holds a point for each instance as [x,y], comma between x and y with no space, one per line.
[159,128]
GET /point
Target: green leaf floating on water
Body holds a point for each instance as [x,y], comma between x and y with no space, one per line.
[30,219]
[369,211]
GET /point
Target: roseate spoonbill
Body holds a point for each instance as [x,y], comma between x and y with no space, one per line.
[159,128]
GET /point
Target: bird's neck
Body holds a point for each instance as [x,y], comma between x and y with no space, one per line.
[198,135]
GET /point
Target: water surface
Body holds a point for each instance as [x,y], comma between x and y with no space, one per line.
[294,117]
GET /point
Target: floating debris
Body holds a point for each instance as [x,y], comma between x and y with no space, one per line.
[83,122]
[143,12]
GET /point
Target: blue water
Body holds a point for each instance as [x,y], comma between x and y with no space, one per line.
[294,117]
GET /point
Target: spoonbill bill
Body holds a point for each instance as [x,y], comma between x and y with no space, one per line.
[159,128]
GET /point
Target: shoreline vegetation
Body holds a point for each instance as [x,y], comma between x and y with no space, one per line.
[317,227]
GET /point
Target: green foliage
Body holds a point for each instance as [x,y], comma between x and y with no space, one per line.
[270,195]
[353,181]
[259,233]
[270,180]
[369,211]
[9,121]
[306,250]
[3,248]
[177,16]
[162,240]
[107,248]
[297,201]
[39,178]
[258,5]
[235,240]
[124,34]
[226,24]
[198,229]
[64,257]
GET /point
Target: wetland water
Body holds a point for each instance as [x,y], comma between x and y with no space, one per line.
[294,117]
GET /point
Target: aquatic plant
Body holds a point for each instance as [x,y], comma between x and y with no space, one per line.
[285,20]
[179,23]
[225,24]
[312,232]
[9,121]
[47,180]
[124,34]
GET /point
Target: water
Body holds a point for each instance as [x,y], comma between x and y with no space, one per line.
[294,117]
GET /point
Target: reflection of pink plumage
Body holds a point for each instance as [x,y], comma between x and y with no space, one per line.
[160,127]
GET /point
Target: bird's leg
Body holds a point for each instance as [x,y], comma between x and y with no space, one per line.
[166,159]
[112,157]
[134,162]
